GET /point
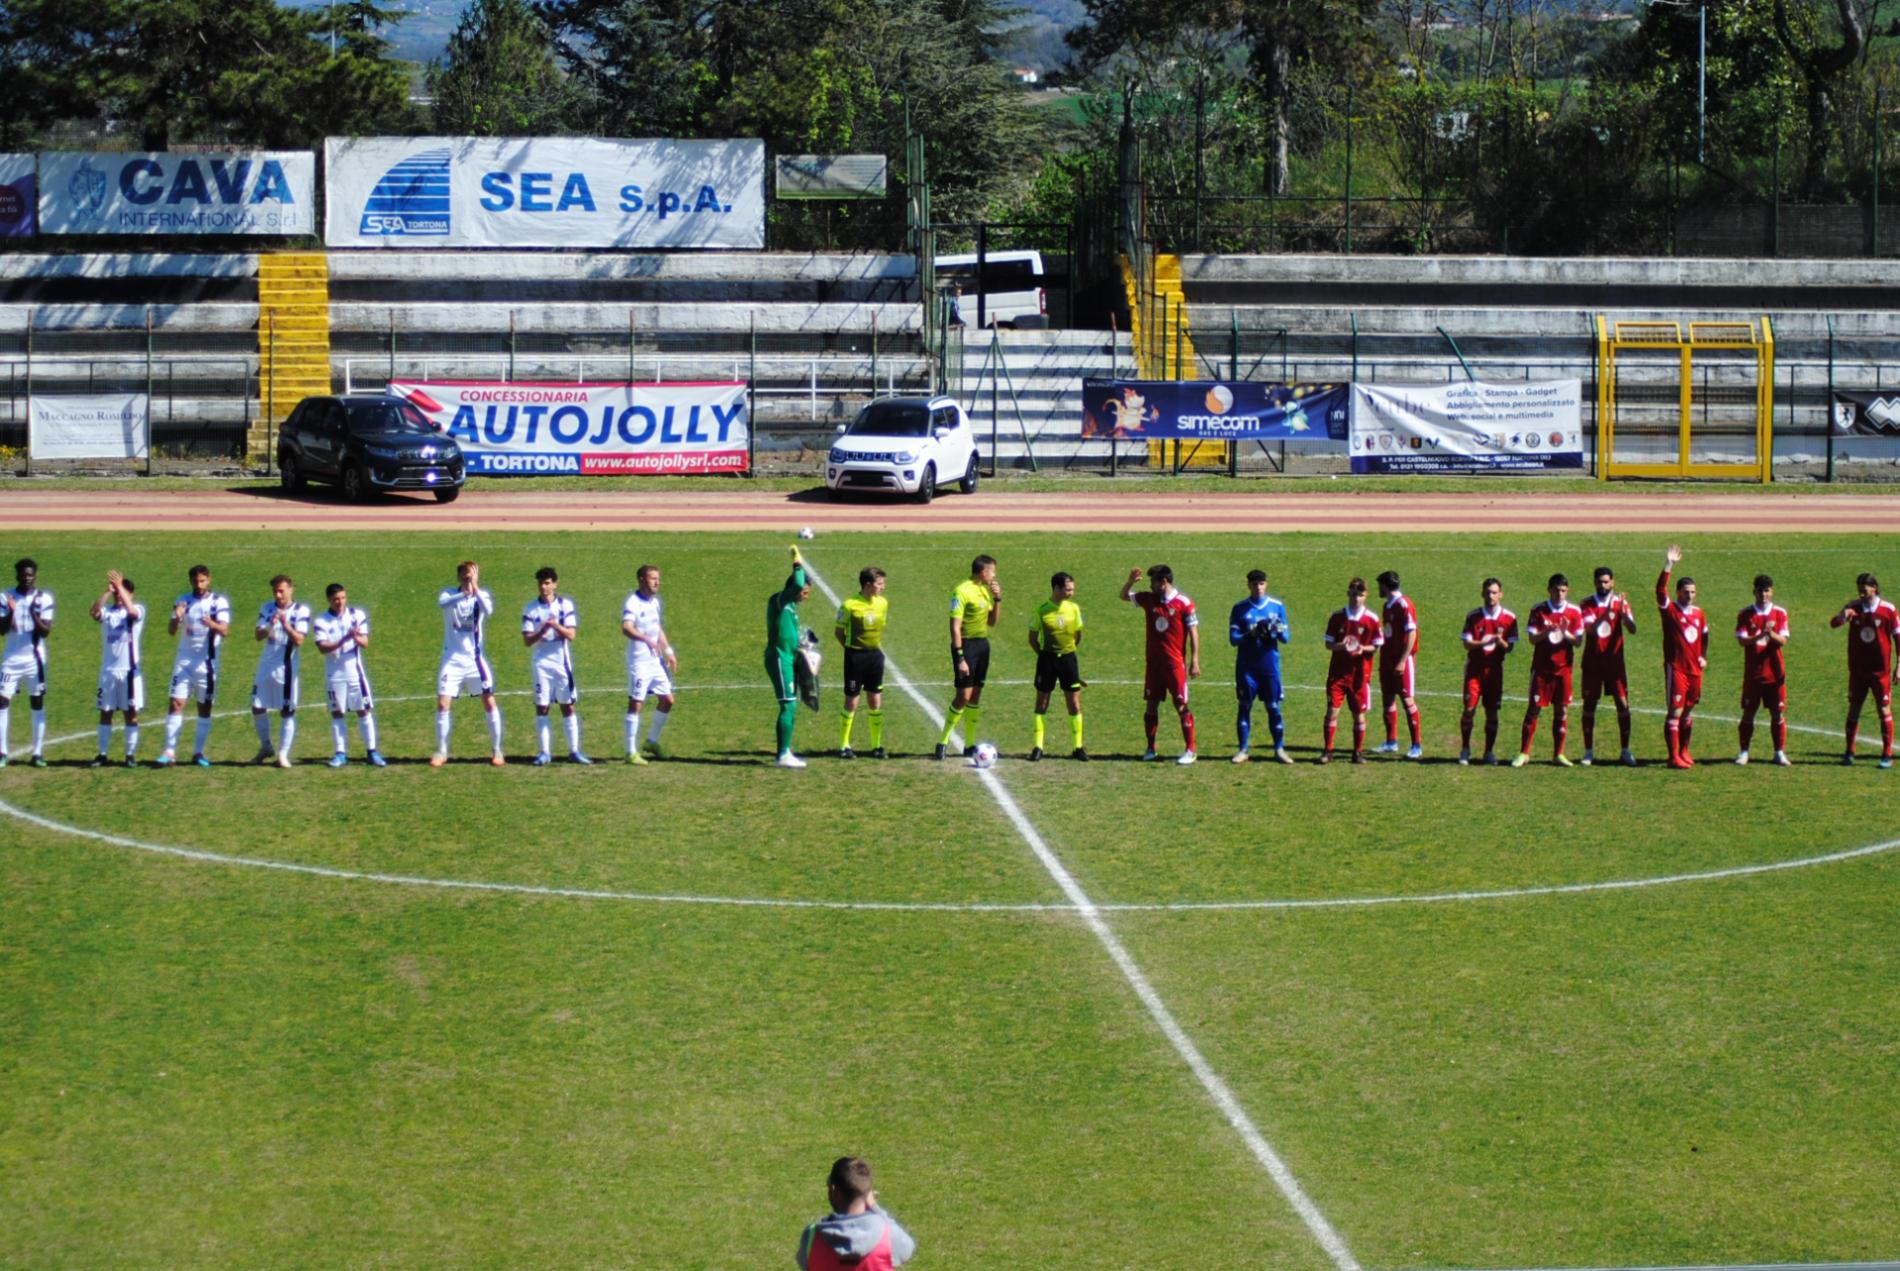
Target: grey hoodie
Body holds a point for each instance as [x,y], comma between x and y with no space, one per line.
[852,1237]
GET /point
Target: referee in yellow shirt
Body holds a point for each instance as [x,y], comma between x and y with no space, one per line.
[973,611]
[861,622]
[1055,633]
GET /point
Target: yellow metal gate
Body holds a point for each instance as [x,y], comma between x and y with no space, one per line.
[1696,407]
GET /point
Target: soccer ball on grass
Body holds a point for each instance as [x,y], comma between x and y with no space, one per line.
[985,755]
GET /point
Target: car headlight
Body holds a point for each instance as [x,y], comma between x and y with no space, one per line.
[904,456]
[837,456]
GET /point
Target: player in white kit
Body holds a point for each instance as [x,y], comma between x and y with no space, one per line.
[466,609]
[283,624]
[121,622]
[342,633]
[650,662]
[201,619]
[26,617]
[548,624]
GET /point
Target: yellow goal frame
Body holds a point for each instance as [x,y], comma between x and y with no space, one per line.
[1757,337]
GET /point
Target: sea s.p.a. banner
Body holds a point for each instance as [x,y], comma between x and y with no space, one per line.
[1212,410]
[553,429]
[543,192]
[1480,426]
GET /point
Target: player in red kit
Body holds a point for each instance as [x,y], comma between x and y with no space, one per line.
[1555,629]
[1398,664]
[1489,635]
[1873,629]
[1174,652]
[1607,618]
[1354,635]
[1685,640]
[1761,630]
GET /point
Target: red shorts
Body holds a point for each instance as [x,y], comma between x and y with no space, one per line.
[1352,688]
[1398,679]
[1756,694]
[1605,675]
[1165,679]
[1681,691]
[1861,683]
[1550,688]
[1484,684]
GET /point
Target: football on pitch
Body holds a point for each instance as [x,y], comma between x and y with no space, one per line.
[806,532]
[985,755]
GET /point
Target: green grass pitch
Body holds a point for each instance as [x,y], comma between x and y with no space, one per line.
[208,1064]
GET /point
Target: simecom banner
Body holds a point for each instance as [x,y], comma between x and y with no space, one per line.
[153,192]
[1471,427]
[587,430]
[543,192]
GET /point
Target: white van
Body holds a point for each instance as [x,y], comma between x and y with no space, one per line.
[1015,297]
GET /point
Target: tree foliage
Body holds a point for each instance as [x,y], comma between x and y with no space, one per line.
[500,75]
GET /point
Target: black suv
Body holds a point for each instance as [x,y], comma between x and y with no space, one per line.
[367,443]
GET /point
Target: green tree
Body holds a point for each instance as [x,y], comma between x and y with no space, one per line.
[500,75]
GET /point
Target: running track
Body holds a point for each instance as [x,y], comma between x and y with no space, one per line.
[1081,510]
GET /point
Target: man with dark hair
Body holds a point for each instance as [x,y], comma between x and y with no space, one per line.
[1762,630]
[862,620]
[341,633]
[1174,652]
[974,607]
[1607,618]
[121,622]
[1257,627]
[856,1234]
[782,634]
[201,619]
[651,662]
[549,623]
[1354,636]
[1055,636]
[1489,635]
[26,618]
[1555,630]
[1685,638]
[1398,665]
[466,608]
[1873,632]
[283,624]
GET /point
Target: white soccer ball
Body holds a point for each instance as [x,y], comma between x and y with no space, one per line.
[985,755]
[806,533]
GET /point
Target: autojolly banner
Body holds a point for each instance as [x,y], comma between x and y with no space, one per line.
[543,192]
[89,426]
[1470,427]
[19,196]
[233,192]
[542,429]
[1866,414]
[1213,411]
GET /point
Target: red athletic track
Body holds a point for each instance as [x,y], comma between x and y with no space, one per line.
[1090,511]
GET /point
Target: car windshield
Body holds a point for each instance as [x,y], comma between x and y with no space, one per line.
[378,418]
[892,419]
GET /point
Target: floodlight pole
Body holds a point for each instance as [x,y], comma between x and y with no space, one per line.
[1701,83]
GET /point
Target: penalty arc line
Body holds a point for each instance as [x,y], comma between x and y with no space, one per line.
[1091,915]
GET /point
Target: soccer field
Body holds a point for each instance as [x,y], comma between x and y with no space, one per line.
[1078,1016]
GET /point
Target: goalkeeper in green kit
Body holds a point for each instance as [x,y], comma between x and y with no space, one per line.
[782,632]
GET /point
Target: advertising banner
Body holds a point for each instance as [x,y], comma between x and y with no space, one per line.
[154,192]
[89,426]
[19,198]
[1866,414]
[588,430]
[1471,427]
[543,192]
[1204,410]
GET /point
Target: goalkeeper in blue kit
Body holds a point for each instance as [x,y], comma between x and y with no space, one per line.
[782,632]
[1257,628]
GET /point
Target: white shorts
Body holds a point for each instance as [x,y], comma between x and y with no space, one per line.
[554,683]
[194,679]
[458,673]
[349,691]
[275,691]
[649,679]
[121,690]
[23,673]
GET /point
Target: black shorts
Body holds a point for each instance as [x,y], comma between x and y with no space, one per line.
[1053,669]
[976,653]
[863,671]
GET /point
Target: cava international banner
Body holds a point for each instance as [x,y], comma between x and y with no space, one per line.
[1202,410]
[590,430]
[543,192]
[89,426]
[1470,427]
[158,192]
[19,196]
[1866,414]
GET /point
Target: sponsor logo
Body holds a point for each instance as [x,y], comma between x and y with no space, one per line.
[1220,399]
[1556,440]
[87,189]
[411,199]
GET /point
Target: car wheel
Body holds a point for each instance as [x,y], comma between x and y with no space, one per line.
[289,475]
[927,487]
[968,483]
[447,493]
[355,484]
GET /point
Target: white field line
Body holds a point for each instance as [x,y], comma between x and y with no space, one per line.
[1091,915]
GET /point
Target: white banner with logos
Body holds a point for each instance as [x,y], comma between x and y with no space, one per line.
[552,428]
[160,192]
[543,192]
[1486,426]
[89,426]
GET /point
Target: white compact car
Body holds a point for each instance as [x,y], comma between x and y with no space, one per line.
[904,445]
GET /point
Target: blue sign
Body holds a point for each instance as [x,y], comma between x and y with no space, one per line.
[1213,410]
[159,192]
